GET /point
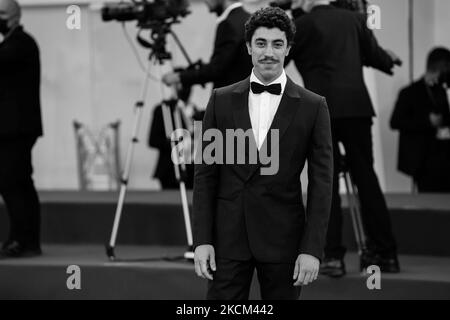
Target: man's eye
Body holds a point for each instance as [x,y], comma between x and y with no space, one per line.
[260,44]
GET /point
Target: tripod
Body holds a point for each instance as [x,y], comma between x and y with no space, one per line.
[354,207]
[159,55]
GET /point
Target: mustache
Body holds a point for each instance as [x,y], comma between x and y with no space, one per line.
[268,60]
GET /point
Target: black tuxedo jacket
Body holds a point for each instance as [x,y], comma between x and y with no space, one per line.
[411,117]
[20,110]
[330,48]
[244,214]
[230,61]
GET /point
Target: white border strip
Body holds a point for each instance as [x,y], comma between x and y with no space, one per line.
[49,3]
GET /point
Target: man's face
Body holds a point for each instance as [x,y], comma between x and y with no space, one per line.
[268,48]
[3,9]
[9,14]
[215,6]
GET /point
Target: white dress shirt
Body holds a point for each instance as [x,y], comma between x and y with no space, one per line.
[263,107]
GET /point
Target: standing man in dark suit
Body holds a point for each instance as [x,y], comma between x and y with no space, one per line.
[164,170]
[229,62]
[331,47]
[245,218]
[422,116]
[20,126]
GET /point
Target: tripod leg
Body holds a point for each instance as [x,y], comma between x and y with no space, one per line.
[187,218]
[167,116]
[126,172]
[351,204]
[358,215]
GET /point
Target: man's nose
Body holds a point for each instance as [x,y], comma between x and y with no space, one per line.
[269,51]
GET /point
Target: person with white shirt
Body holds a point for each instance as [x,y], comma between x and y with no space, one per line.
[244,219]
[229,62]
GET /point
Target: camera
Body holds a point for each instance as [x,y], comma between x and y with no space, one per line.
[147,13]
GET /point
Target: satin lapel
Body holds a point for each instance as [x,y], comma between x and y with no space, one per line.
[287,109]
[241,116]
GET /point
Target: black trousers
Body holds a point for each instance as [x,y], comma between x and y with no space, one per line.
[434,176]
[356,136]
[232,280]
[18,191]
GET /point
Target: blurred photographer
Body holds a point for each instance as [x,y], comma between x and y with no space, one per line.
[157,139]
[422,117]
[330,49]
[230,61]
[20,126]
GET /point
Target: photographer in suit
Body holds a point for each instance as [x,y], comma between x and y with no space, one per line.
[244,217]
[422,116]
[164,171]
[229,62]
[331,47]
[20,126]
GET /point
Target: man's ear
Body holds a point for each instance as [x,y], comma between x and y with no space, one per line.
[288,50]
[249,48]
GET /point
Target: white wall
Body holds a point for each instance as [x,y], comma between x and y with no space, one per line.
[442,25]
[92,75]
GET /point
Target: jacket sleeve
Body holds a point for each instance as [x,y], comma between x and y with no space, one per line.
[226,44]
[320,184]
[372,54]
[205,186]
[403,117]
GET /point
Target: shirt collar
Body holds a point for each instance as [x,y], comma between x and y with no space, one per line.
[10,32]
[282,79]
[227,11]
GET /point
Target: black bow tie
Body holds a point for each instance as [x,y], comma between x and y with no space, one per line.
[272,89]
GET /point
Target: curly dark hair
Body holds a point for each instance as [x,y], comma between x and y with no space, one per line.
[270,17]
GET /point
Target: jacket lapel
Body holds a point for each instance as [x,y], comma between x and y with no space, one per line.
[286,111]
[241,115]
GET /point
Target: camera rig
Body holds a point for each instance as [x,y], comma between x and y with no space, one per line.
[158,16]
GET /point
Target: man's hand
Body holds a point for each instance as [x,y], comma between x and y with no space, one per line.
[395,58]
[171,78]
[204,258]
[443,134]
[306,270]
[436,119]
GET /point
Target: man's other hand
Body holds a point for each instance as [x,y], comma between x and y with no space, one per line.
[395,58]
[436,119]
[205,261]
[171,78]
[306,270]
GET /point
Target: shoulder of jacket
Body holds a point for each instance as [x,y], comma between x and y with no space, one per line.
[309,95]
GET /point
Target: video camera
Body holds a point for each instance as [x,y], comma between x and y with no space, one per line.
[147,13]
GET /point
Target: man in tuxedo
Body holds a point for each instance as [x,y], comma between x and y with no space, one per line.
[244,218]
[229,62]
[422,115]
[20,126]
[331,47]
